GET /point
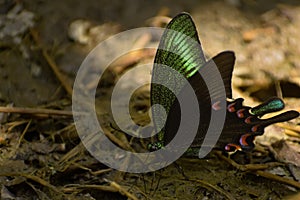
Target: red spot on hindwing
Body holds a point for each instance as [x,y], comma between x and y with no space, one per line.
[231,107]
[240,113]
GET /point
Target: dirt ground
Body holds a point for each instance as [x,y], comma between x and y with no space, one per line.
[42,45]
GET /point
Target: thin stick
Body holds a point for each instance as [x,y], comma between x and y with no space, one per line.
[74,187]
[257,169]
[35,179]
[121,190]
[248,167]
[102,171]
[51,62]
[14,124]
[35,111]
[278,178]
[22,135]
[212,187]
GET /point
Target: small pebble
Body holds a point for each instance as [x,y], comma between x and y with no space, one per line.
[78,31]
[35,70]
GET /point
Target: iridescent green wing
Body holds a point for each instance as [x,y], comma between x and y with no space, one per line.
[179,49]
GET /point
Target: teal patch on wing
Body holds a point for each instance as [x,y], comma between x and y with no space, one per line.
[272,105]
[180,50]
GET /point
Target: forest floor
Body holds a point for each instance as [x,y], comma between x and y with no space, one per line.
[42,46]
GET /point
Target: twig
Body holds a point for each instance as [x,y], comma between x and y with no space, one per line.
[70,157]
[51,62]
[158,21]
[22,135]
[289,127]
[247,167]
[96,173]
[14,124]
[133,57]
[102,171]
[35,179]
[125,145]
[121,190]
[278,178]
[212,187]
[257,169]
[74,187]
[36,111]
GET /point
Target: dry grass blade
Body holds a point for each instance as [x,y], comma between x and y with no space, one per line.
[75,154]
[99,172]
[75,187]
